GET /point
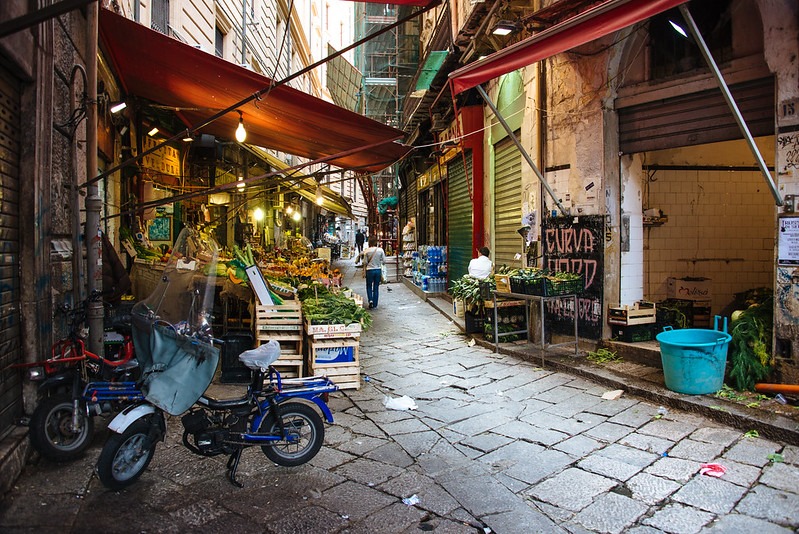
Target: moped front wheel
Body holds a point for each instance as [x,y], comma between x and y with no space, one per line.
[125,456]
[52,431]
[304,434]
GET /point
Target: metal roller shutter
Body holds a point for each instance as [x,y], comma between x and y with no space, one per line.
[459,223]
[507,203]
[10,383]
[697,118]
[413,202]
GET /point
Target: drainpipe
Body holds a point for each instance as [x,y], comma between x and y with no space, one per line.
[94,271]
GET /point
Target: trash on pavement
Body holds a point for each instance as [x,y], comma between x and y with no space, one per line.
[399,403]
[613,395]
[712,470]
[661,412]
[471,342]
[412,500]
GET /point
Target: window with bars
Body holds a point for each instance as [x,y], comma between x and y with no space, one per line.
[160,16]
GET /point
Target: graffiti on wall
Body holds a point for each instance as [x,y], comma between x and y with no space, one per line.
[789,145]
[575,245]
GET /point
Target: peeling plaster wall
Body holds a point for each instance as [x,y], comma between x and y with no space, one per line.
[781,42]
[576,88]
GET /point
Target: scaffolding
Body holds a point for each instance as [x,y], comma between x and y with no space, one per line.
[388,63]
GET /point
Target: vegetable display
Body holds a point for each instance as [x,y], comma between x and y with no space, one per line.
[750,360]
[322,306]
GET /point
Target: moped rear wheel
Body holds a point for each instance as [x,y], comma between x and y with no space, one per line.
[125,456]
[51,430]
[305,434]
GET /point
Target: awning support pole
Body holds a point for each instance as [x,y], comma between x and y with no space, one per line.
[518,144]
[725,91]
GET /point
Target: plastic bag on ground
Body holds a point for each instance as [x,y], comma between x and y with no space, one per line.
[399,403]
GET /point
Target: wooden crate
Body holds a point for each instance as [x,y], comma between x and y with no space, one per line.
[641,312]
[337,359]
[283,323]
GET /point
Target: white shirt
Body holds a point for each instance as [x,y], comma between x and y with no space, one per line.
[480,267]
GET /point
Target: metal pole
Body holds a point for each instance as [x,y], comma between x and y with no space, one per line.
[518,144]
[725,91]
[94,271]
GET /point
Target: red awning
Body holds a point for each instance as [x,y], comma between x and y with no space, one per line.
[605,18]
[198,85]
[419,3]
[398,2]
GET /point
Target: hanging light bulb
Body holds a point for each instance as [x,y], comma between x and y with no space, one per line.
[258,214]
[319,198]
[240,184]
[297,216]
[241,133]
[289,209]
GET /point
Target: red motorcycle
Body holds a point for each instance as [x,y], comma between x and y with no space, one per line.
[76,384]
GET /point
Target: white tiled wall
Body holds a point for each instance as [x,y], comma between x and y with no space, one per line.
[720,226]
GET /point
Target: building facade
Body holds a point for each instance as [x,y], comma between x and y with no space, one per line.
[645,176]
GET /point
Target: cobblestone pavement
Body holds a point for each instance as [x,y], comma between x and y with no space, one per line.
[496,444]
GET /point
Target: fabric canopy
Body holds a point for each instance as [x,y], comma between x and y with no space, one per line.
[197,85]
[305,186]
[605,18]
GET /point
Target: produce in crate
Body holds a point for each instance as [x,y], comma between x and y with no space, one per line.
[323,306]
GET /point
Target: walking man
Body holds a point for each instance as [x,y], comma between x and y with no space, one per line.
[359,239]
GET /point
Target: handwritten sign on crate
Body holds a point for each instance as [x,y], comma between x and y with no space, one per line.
[321,329]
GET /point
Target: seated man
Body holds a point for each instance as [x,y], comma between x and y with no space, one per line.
[480,267]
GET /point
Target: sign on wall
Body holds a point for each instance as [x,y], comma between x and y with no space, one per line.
[788,241]
[575,245]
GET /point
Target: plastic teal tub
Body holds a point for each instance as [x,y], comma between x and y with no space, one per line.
[694,359]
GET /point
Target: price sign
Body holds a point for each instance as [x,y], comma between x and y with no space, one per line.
[788,241]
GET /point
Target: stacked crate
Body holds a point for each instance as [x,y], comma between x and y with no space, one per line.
[283,323]
[333,352]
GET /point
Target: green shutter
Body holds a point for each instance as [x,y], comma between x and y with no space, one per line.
[459,223]
[507,204]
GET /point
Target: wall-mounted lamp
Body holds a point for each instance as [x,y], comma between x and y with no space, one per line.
[504,27]
[241,133]
[152,132]
[116,108]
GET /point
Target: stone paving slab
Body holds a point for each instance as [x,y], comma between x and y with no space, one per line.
[497,445]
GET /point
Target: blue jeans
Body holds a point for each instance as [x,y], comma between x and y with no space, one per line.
[373,285]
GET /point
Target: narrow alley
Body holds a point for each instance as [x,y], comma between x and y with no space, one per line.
[495,444]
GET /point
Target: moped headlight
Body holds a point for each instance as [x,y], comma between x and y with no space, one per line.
[36,374]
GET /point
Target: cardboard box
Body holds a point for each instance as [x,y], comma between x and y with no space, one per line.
[689,288]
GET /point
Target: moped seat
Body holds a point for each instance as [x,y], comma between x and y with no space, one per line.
[223,404]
